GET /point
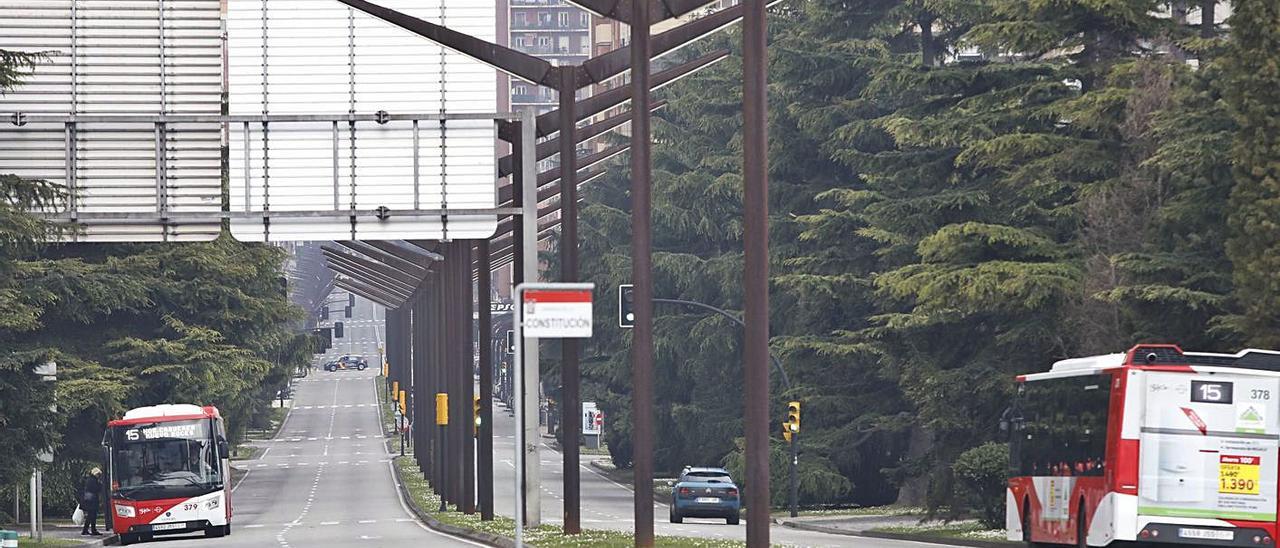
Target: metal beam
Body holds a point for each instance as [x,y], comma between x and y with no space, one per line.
[394,261]
[404,250]
[371,275]
[516,63]
[396,268]
[552,175]
[550,147]
[376,266]
[626,12]
[755,277]
[549,122]
[608,65]
[368,293]
[391,290]
[385,302]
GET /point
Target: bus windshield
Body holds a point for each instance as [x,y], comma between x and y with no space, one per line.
[169,459]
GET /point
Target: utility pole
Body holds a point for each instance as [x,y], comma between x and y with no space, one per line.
[642,276]
[755,205]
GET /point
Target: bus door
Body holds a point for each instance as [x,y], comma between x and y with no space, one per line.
[1209,446]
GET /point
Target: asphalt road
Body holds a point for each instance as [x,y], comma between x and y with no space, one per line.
[326,479]
[609,505]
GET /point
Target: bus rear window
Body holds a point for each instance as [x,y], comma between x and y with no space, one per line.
[1060,427]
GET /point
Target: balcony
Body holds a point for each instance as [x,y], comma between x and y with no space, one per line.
[553,51]
[573,25]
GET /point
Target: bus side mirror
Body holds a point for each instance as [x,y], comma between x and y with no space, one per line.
[224,452]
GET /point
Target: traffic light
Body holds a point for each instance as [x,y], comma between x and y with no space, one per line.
[337,330]
[626,304]
[511,341]
[403,408]
[475,410]
[793,415]
[786,431]
[347,311]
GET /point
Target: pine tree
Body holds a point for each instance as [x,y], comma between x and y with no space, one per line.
[1253,72]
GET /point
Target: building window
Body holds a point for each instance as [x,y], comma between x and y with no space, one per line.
[584,19]
[522,18]
[521,42]
[564,19]
[563,45]
[544,18]
[521,90]
[544,42]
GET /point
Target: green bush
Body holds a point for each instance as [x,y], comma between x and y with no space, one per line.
[982,471]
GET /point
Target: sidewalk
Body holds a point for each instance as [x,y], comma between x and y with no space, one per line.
[62,531]
[852,523]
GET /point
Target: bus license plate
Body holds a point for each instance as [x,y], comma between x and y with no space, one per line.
[1206,534]
[707,500]
[168,526]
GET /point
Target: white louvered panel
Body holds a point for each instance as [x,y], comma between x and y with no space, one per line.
[320,57]
[120,58]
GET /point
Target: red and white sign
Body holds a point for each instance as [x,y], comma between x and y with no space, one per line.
[556,313]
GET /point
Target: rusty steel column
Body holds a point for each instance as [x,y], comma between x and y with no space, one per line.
[755,279]
[484,434]
[466,411]
[420,385]
[517,252]
[449,343]
[438,380]
[642,278]
[569,373]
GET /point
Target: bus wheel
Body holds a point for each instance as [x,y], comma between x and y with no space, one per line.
[127,539]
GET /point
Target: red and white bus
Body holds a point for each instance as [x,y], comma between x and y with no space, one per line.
[168,472]
[1154,445]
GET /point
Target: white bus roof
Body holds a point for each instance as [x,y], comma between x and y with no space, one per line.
[1260,361]
[164,410]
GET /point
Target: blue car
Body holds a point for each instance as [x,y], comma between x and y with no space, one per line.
[705,493]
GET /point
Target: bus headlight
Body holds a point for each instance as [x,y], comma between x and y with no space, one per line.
[124,511]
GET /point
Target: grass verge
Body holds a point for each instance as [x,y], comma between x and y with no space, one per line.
[969,530]
[546,535]
[888,510]
[47,543]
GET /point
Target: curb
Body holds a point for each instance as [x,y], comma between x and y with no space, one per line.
[896,536]
[433,523]
[469,534]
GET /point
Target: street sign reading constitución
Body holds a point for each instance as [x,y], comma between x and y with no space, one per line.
[556,313]
[319,57]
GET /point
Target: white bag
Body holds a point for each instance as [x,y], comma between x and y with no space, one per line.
[77,517]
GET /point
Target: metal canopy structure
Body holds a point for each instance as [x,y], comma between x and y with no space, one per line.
[565,80]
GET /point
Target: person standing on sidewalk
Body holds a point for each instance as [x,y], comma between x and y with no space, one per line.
[90,500]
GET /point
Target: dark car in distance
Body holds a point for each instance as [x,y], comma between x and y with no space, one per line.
[705,493]
[347,363]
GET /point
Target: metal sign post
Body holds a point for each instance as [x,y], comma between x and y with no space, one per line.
[543,310]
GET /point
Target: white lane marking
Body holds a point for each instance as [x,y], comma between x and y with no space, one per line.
[254,526]
[329,523]
[367,521]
